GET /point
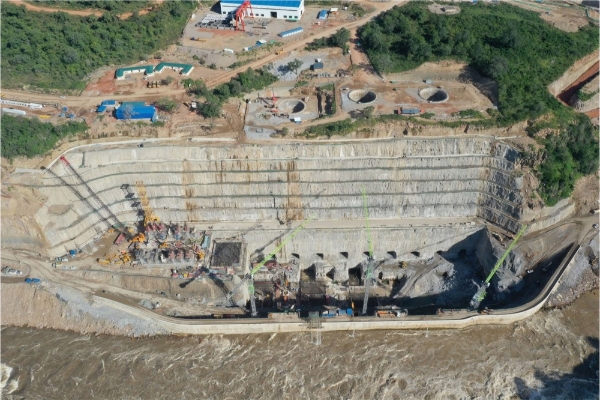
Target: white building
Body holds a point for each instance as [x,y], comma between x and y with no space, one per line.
[280,9]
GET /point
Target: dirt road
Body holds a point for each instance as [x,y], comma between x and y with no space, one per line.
[85,101]
[380,7]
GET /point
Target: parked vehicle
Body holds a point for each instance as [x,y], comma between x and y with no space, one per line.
[12,271]
[33,281]
[65,259]
[57,265]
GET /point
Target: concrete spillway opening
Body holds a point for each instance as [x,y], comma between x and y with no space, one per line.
[362,96]
[291,106]
[433,95]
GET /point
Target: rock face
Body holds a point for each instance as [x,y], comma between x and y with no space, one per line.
[580,277]
[404,178]
[506,279]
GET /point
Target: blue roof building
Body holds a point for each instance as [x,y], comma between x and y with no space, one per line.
[132,111]
[279,9]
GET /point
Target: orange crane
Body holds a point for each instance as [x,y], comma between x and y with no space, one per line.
[241,13]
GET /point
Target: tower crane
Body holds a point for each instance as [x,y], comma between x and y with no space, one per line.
[111,216]
[249,277]
[482,291]
[370,259]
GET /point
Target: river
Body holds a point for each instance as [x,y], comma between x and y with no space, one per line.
[552,355]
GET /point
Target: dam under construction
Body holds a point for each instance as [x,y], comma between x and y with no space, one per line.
[290,229]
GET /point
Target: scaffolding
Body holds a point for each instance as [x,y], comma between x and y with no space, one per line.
[149,215]
[314,325]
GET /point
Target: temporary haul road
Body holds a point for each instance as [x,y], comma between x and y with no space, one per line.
[87,101]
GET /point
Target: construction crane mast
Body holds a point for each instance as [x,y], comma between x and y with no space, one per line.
[80,197]
[480,295]
[241,13]
[149,215]
[370,259]
[118,224]
[249,277]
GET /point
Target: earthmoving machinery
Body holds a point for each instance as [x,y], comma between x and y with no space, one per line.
[482,291]
[249,277]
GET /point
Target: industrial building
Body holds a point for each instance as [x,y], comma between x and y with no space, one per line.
[279,9]
[135,110]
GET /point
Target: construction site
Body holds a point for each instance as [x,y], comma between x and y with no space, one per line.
[386,228]
[230,218]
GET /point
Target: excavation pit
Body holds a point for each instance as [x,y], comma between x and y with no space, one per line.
[291,106]
[434,95]
[227,254]
[362,96]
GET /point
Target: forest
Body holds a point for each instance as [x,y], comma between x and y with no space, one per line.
[244,82]
[58,50]
[24,137]
[517,49]
[116,6]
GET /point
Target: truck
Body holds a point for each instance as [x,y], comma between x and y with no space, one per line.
[391,313]
[11,271]
[33,281]
[409,111]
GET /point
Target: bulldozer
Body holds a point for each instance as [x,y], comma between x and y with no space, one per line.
[139,238]
[278,52]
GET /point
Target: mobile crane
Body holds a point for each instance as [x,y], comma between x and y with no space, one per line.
[482,291]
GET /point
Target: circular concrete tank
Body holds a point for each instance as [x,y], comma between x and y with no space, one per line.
[291,106]
[362,96]
[433,95]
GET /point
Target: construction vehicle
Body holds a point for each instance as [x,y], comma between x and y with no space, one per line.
[241,13]
[278,52]
[139,238]
[249,277]
[482,291]
[391,313]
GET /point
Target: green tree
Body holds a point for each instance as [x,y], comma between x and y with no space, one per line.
[166,104]
[294,65]
[211,108]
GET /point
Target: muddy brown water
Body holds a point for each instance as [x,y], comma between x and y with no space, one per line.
[552,355]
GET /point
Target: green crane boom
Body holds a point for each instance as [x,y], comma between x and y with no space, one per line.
[369,268]
[294,233]
[480,295]
[249,276]
[501,260]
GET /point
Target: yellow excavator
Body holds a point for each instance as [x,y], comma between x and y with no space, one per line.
[139,238]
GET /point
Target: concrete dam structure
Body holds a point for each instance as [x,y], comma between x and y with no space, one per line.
[419,181]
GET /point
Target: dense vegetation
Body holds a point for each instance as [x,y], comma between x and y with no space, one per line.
[522,53]
[513,46]
[338,39]
[244,82]
[568,156]
[117,6]
[57,50]
[30,137]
